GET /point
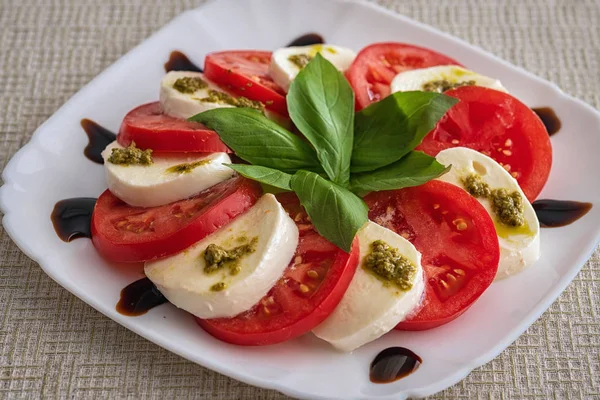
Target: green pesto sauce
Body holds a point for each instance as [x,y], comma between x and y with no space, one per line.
[186,167]
[300,60]
[507,206]
[189,84]
[219,286]
[130,155]
[443,85]
[216,96]
[217,257]
[387,264]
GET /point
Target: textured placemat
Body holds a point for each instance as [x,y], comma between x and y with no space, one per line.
[52,345]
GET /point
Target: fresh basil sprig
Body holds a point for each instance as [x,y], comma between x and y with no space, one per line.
[414,169]
[259,140]
[321,105]
[387,130]
[336,213]
[346,153]
[268,176]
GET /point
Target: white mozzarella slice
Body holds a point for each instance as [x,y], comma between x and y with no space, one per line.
[283,70]
[370,308]
[181,278]
[159,183]
[186,105]
[416,79]
[519,246]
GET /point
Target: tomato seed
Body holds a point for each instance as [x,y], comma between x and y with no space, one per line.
[507,153]
[304,288]
[508,143]
[312,274]
[458,271]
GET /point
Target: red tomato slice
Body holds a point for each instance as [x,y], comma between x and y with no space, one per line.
[124,233]
[456,238]
[500,126]
[310,289]
[149,128]
[376,65]
[246,73]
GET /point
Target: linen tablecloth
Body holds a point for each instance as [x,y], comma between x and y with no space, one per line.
[53,345]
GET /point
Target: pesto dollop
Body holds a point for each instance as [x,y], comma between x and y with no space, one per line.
[300,60]
[443,85]
[130,155]
[216,96]
[217,257]
[219,286]
[507,206]
[189,84]
[386,263]
[186,167]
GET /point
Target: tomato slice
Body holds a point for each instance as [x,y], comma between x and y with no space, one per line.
[376,65]
[500,126]
[246,73]
[149,128]
[456,238]
[124,233]
[310,289]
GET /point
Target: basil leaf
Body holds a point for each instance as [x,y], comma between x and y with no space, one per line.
[258,140]
[336,213]
[387,130]
[264,175]
[321,104]
[414,169]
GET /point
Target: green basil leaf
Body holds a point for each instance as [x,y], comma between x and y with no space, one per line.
[321,104]
[264,175]
[387,130]
[258,140]
[336,213]
[414,169]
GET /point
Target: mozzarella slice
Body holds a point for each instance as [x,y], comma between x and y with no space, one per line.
[369,307]
[419,79]
[286,62]
[183,281]
[519,246]
[169,178]
[187,104]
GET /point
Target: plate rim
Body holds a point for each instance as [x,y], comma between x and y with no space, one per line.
[460,373]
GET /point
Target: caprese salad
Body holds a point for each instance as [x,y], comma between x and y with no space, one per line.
[313,189]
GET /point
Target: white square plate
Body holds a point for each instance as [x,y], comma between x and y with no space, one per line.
[52,167]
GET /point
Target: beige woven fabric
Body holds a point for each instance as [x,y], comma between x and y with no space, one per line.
[52,345]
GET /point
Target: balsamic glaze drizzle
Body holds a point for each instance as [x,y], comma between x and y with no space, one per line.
[392,364]
[306,40]
[139,297]
[99,137]
[180,62]
[72,218]
[549,118]
[555,213]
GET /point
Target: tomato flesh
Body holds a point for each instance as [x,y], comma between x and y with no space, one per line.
[149,128]
[312,286]
[376,65]
[457,240]
[124,233]
[246,73]
[500,126]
